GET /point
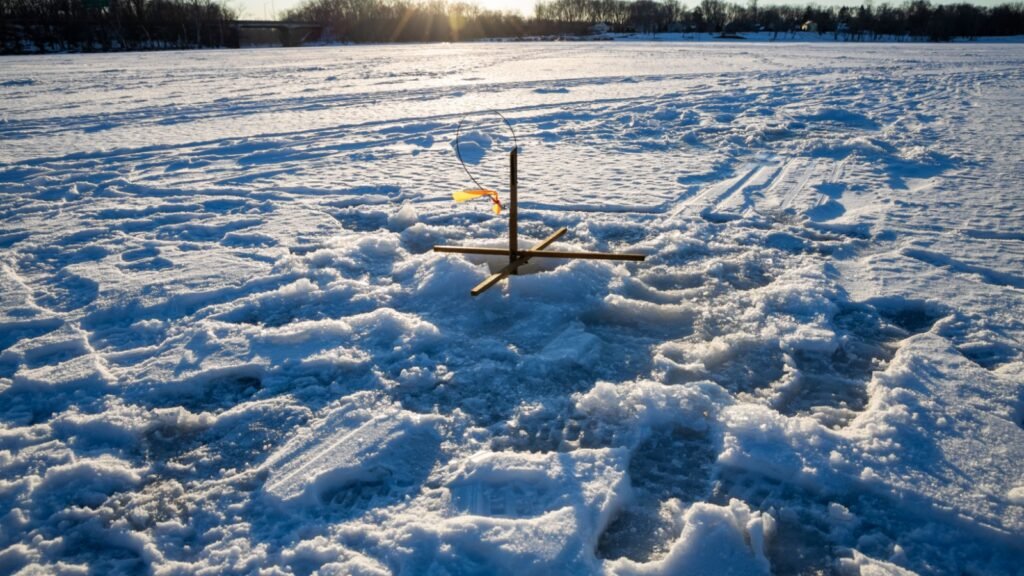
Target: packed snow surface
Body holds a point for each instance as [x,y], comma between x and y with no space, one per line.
[227,347]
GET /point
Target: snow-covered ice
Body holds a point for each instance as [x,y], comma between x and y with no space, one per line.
[227,347]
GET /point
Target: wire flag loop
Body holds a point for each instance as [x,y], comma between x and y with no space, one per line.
[464,195]
[480,191]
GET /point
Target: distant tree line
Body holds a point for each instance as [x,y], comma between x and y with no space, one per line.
[103,25]
[437,20]
[410,20]
[916,19]
[86,25]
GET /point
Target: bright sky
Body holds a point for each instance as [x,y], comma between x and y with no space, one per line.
[266,9]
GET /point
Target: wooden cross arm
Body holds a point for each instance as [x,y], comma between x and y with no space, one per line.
[519,261]
[531,253]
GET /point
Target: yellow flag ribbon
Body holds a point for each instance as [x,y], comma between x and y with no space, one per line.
[464,195]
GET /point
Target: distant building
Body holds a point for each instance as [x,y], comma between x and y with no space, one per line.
[249,33]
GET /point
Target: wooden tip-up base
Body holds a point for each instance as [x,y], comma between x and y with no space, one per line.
[521,257]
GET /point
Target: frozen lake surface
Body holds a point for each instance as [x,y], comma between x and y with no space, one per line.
[226,346]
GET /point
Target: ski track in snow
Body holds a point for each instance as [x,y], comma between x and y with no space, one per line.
[226,346]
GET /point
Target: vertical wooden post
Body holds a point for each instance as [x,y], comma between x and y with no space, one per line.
[513,211]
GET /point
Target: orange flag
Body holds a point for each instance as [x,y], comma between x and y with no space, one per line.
[463,195]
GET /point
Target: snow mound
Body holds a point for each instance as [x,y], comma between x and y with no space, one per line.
[717,540]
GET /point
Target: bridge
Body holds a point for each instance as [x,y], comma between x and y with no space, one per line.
[261,32]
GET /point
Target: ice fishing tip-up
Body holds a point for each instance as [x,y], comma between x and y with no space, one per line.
[517,257]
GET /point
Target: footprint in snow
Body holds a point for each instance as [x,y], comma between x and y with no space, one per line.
[672,464]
